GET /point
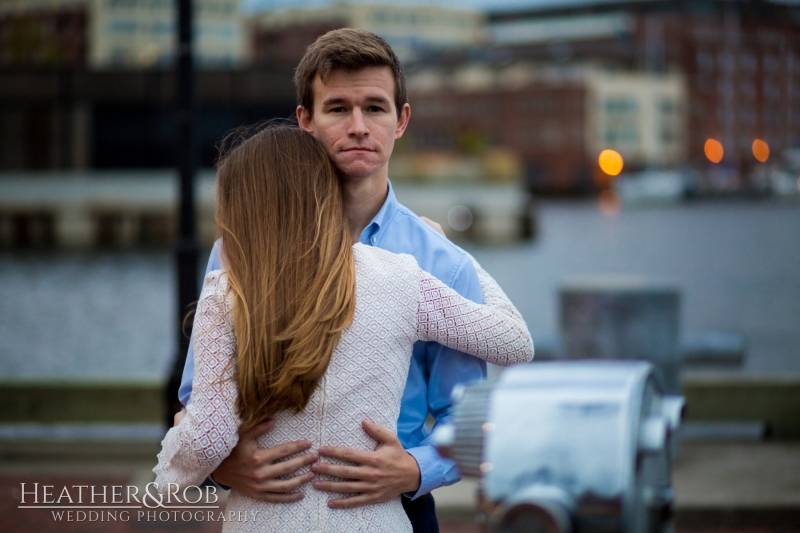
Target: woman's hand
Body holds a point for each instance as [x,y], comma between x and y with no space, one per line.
[178,417]
[434,225]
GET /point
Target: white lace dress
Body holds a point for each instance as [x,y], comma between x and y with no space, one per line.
[397,304]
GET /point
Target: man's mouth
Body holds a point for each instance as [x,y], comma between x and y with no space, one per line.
[358,149]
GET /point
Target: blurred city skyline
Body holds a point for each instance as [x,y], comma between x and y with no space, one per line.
[632,100]
[485,5]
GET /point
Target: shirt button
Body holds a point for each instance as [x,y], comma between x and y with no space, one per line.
[374,240]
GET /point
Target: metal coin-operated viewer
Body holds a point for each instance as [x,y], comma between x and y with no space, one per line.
[568,447]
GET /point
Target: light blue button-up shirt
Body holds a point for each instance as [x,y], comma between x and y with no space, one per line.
[434,369]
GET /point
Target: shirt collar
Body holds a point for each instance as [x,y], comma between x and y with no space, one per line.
[374,231]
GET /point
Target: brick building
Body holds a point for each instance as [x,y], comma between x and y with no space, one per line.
[281,36]
[44,37]
[543,123]
[743,81]
[102,34]
[740,62]
[556,119]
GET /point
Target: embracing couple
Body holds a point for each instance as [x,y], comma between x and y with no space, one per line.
[332,320]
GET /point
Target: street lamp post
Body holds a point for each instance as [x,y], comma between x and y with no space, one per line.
[186,248]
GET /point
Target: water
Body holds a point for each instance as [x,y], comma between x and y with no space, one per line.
[110,316]
[87,316]
[737,265]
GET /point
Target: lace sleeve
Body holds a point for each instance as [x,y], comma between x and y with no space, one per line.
[209,431]
[494,332]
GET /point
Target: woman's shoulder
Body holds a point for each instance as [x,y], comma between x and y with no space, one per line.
[385,278]
[373,257]
[215,285]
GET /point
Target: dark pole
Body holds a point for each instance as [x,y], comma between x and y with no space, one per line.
[186,249]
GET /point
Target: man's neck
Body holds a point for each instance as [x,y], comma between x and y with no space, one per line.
[363,198]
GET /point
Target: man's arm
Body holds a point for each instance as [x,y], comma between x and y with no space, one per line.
[185,390]
[248,469]
[446,369]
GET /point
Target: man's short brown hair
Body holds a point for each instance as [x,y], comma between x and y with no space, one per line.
[350,50]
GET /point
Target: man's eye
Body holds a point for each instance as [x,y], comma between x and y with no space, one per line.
[375,109]
[339,109]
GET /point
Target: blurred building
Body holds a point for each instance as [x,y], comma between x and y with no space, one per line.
[282,36]
[557,119]
[43,34]
[89,84]
[740,62]
[640,114]
[102,34]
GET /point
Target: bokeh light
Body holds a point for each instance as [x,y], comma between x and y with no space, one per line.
[459,218]
[610,162]
[610,203]
[760,150]
[714,151]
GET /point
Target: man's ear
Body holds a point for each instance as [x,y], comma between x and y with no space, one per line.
[402,121]
[304,119]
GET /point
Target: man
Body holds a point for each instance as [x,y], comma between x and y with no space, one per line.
[352,97]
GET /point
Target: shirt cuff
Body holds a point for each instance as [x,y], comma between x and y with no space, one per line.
[218,485]
[431,470]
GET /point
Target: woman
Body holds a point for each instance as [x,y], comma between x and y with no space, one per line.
[309,329]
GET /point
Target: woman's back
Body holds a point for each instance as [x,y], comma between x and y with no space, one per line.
[365,380]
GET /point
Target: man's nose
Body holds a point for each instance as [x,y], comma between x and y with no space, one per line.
[357,126]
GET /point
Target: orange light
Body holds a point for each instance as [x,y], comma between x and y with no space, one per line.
[714,151]
[610,162]
[760,150]
[610,203]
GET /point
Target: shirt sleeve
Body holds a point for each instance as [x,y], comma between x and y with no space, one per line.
[209,430]
[185,390]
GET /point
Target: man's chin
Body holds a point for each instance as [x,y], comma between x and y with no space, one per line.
[357,171]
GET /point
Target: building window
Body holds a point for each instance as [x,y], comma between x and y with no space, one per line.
[619,122]
[748,62]
[705,61]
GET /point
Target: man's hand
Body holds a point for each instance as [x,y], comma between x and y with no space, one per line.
[253,472]
[434,225]
[377,476]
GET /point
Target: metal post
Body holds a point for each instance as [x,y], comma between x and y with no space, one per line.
[186,248]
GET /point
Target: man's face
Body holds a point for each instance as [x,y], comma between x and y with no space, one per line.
[356,120]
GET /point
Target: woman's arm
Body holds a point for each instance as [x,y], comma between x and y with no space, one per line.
[209,430]
[494,332]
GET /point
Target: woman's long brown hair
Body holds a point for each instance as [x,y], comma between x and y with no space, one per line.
[287,253]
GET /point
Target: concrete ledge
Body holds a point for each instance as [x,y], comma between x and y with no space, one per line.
[783,519]
[28,451]
[50,402]
[775,401]
[750,486]
[786,519]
